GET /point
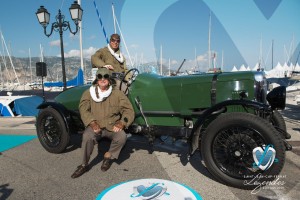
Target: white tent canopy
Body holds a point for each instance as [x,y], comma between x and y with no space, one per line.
[277,72]
[234,69]
[243,68]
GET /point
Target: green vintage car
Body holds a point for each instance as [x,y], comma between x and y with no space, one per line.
[229,117]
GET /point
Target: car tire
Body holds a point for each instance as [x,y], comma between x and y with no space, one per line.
[52,131]
[227,145]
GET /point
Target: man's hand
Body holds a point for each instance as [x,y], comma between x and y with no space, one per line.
[110,67]
[118,126]
[95,126]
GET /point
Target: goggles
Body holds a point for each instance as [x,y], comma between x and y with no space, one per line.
[100,76]
[116,41]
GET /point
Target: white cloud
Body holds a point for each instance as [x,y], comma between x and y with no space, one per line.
[202,58]
[73,53]
[54,43]
[134,46]
[174,62]
[87,53]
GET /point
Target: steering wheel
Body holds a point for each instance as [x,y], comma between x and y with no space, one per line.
[134,72]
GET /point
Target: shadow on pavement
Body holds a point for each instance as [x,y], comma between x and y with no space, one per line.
[138,142]
[291,112]
[5,192]
[75,142]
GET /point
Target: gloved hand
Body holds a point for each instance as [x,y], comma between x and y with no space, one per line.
[95,126]
[118,126]
[110,67]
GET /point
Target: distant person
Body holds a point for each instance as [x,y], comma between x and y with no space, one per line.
[105,112]
[110,57]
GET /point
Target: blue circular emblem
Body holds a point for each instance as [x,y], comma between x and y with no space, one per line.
[157,189]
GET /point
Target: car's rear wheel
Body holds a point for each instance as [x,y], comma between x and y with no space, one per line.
[227,150]
[52,131]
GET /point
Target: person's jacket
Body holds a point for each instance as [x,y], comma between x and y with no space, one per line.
[103,57]
[114,108]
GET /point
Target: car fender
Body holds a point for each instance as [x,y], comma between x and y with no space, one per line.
[62,110]
[218,109]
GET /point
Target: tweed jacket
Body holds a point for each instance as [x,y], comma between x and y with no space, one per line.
[103,57]
[116,107]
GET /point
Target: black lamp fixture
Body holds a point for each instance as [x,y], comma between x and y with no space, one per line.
[76,12]
[43,16]
[59,26]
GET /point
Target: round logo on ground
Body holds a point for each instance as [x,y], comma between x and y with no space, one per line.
[149,189]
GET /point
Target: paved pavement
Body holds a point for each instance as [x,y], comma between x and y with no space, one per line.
[17,125]
[30,172]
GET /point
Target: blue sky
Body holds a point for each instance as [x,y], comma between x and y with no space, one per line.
[241,31]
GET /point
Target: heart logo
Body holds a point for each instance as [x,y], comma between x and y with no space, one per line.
[149,192]
[264,157]
[267,7]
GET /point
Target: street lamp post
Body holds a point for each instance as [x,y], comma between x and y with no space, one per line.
[59,26]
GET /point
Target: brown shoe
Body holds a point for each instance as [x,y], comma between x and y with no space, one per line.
[106,164]
[79,171]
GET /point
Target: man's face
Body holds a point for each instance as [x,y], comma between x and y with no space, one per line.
[103,81]
[114,43]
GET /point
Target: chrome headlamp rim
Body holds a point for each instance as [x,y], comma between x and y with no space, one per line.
[260,87]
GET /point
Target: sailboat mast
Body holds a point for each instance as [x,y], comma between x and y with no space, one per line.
[10,59]
[30,66]
[4,62]
[42,54]
[195,60]
[160,59]
[80,41]
[124,42]
[222,65]
[169,67]
[1,76]
[272,52]
[114,17]
[209,53]
[260,54]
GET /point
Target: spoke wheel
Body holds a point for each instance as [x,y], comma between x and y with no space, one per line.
[232,151]
[52,131]
[227,148]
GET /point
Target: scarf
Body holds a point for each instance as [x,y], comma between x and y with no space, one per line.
[119,56]
[94,89]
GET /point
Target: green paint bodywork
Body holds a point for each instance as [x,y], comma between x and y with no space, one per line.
[175,98]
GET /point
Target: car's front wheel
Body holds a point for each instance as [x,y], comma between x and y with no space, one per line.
[52,131]
[242,150]
[278,122]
